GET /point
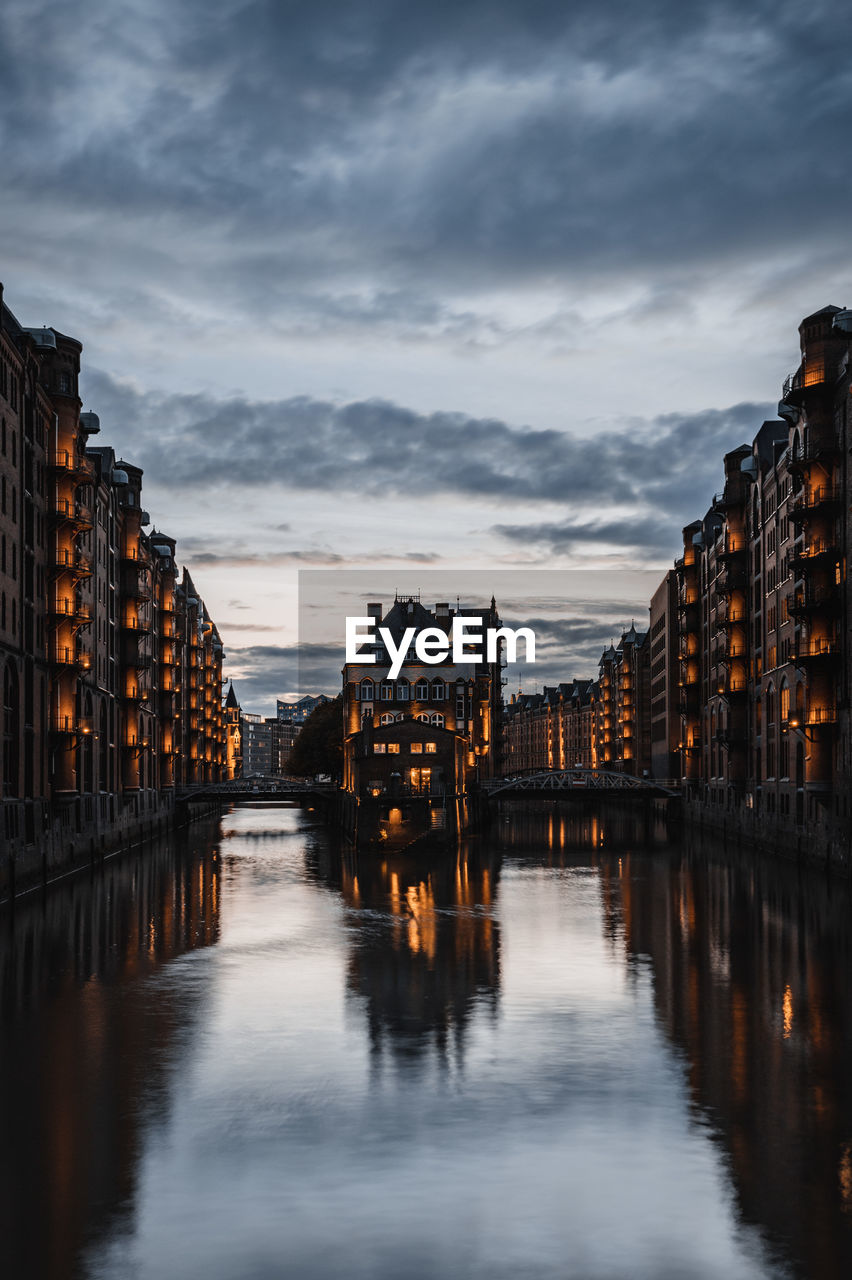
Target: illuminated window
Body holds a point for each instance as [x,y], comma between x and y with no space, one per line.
[387,692]
[378,748]
[417,748]
[430,748]
[393,748]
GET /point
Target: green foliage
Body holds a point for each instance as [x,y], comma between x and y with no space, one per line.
[319,746]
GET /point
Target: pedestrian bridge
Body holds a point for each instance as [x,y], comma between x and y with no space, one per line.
[257,789]
[580,782]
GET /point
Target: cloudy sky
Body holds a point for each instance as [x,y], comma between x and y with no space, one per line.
[422,285]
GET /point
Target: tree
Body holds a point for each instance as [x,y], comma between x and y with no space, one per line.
[319,746]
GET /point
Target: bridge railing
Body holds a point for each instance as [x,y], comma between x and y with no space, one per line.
[574,780]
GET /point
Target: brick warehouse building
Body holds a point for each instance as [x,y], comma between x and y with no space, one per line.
[593,724]
[425,737]
[111,665]
[763,618]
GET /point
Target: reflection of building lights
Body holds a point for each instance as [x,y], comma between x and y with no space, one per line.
[788,1012]
[845,1176]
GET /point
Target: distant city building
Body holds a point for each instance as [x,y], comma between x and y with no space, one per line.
[623,728]
[258,742]
[291,717]
[554,729]
[234,734]
[593,724]
[665,672]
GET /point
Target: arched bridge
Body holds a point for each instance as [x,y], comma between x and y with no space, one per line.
[580,782]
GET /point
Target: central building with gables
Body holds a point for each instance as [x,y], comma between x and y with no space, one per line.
[415,747]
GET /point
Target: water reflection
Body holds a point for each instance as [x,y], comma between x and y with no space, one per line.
[752,981]
[430,952]
[85,1047]
[560,1053]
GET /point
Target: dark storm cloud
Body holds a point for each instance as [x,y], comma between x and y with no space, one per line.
[652,533]
[292,148]
[380,448]
[262,673]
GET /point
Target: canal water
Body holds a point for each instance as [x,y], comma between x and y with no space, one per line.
[245,1055]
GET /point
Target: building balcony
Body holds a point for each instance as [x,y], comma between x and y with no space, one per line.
[824,451]
[731,576]
[67,462]
[69,511]
[688,698]
[808,554]
[135,693]
[688,616]
[733,687]
[136,555]
[733,550]
[78,563]
[70,657]
[816,716]
[133,588]
[135,625]
[811,599]
[824,497]
[817,650]
[806,377]
[71,725]
[730,619]
[68,607]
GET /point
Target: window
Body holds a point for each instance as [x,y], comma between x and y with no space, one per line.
[424,717]
[417,748]
[439,691]
[378,748]
[393,748]
[430,748]
[421,690]
[438,720]
[403,690]
[387,692]
[366,691]
[388,718]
